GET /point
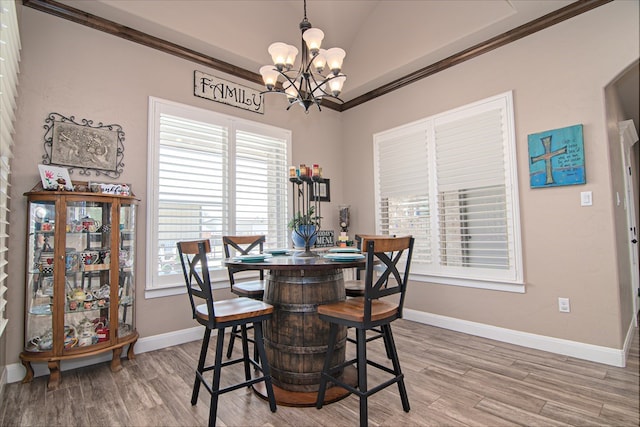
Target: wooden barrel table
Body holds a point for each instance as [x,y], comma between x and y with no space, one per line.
[295,337]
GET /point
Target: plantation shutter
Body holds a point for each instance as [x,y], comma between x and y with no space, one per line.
[9,59]
[402,187]
[210,175]
[471,191]
[261,186]
[450,181]
[192,196]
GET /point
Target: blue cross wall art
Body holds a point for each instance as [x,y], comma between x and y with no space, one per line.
[556,157]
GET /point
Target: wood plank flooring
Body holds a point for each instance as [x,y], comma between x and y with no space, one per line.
[453,379]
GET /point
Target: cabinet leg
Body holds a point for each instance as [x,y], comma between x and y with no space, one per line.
[54,374]
[29,375]
[115,361]
[130,354]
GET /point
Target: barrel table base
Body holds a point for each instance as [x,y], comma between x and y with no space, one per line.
[309,398]
[296,338]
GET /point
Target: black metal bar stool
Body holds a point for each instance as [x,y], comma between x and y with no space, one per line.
[243,245]
[220,315]
[368,312]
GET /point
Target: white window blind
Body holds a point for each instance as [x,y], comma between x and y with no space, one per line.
[9,59]
[261,187]
[213,175]
[403,183]
[450,180]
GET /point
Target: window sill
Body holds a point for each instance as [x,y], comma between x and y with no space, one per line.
[517,287]
[178,289]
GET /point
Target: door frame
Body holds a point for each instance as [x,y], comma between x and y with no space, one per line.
[628,138]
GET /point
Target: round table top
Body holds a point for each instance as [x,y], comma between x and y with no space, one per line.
[296,260]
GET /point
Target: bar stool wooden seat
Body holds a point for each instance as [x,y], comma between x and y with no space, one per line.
[219,315]
[243,245]
[370,311]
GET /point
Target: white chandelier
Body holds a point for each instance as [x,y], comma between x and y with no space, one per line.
[307,85]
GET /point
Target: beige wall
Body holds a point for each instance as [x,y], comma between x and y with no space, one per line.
[74,70]
[558,78]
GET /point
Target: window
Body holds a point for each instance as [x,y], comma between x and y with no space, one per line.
[9,58]
[450,181]
[211,175]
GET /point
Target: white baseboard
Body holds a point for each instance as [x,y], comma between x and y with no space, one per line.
[16,372]
[595,353]
[609,356]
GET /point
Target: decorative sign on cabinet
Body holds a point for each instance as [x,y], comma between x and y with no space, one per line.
[80,277]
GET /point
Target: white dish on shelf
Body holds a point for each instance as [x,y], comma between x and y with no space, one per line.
[40,309]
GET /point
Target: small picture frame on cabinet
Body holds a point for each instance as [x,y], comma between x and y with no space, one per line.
[55,178]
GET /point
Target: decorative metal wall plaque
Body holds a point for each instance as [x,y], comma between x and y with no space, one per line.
[84,146]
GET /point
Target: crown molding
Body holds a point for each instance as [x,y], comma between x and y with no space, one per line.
[72,14]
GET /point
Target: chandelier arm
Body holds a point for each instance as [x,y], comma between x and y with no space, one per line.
[322,83]
[292,82]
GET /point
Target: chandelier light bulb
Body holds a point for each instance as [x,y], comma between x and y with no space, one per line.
[279,52]
[269,76]
[336,84]
[291,57]
[313,37]
[335,56]
[320,60]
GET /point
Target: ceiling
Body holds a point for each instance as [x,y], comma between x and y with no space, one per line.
[385,40]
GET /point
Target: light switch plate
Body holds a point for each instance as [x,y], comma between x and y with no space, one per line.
[586,198]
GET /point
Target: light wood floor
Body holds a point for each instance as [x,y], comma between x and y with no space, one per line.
[452,379]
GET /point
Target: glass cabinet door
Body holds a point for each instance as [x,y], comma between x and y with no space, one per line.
[126,270]
[40,279]
[87,274]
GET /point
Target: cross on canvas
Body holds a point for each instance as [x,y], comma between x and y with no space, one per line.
[556,157]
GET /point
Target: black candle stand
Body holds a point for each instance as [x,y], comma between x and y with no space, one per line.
[306,205]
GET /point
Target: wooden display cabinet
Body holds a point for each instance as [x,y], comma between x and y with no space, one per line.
[80,278]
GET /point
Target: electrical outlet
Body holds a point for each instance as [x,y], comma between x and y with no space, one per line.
[563,305]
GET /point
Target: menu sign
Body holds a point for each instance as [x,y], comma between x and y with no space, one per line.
[325,239]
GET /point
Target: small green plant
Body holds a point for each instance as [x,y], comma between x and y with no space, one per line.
[309,218]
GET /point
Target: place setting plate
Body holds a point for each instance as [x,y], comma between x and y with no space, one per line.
[283,251]
[344,257]
[344,250]
[250,258]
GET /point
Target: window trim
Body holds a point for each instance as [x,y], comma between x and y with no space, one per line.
[219,277]
[490,280]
